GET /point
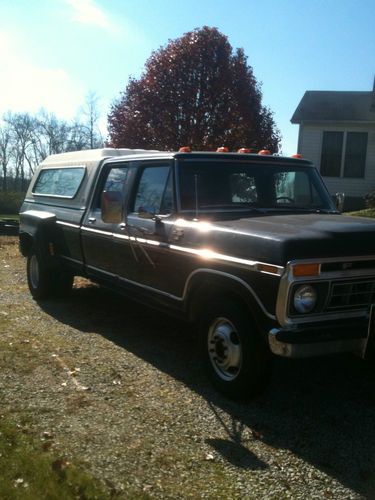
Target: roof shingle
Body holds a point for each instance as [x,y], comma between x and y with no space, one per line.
[322,105]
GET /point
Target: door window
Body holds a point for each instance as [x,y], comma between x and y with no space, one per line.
[114,183]
[154,194]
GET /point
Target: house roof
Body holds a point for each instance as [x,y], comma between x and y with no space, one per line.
[322,105]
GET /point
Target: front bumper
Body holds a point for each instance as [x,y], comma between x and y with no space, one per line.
[321,339]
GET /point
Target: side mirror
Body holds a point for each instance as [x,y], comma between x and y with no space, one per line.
[339,199]
[111,203]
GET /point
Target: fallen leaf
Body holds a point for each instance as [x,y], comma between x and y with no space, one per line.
[47,435]
[256,434]
[60,464]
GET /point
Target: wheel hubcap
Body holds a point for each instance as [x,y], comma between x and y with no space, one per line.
[224,349]
[34,272]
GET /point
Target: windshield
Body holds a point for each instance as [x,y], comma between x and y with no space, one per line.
[210,185]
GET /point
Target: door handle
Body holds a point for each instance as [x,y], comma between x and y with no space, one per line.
[91,220]
[122,226]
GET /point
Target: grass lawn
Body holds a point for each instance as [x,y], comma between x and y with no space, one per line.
[366,212]
[9,216]
[29,470]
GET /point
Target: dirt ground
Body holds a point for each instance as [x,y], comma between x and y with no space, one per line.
[119,389]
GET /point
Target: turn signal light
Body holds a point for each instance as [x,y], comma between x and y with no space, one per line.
[266,268]
[264,152]
[306,270]
[222,149]
[185,149]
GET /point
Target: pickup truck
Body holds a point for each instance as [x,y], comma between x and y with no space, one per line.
[249,248]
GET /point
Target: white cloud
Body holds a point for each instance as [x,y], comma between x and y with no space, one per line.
[86,12]
[25,86]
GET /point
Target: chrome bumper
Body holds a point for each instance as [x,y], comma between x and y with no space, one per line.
[307,350]
[322,339]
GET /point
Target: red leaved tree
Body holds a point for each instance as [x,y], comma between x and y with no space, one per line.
[195,91]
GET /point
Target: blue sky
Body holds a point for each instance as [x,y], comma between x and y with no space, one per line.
[53,52]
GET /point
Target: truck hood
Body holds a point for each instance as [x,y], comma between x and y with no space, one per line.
[279,238]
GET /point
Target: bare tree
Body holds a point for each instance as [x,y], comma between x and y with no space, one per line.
[91,113]
[27,139]
[22,127]
[5,152]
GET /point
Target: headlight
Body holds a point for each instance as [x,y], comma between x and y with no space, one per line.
[305,298]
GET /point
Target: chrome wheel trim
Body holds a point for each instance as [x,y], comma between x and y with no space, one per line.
[224,349]
[34,271]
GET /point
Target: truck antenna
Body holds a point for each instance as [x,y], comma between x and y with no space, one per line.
[196,195]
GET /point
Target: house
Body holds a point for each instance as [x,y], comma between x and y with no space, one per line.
[337,133]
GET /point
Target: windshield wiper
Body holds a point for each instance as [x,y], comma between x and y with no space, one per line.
[289,208]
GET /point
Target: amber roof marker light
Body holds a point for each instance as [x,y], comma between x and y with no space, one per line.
[222,149]
[297,155]
[185,149]
[246,150]
[264,152]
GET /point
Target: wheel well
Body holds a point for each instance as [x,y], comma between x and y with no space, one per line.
[211,289]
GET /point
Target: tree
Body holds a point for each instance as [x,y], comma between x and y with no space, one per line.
[5,153]
[22,126]
[194,91]
[26,139]
[90,125]
[51,135]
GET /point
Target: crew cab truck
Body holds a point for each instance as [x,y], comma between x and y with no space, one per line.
[248,247]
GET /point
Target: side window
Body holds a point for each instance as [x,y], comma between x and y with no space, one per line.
[114,182]
[116,179]
[167,201]
[296,188]
[60,182]
[154,193]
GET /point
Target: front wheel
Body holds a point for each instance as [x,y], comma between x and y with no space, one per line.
[237,359]
[45,282]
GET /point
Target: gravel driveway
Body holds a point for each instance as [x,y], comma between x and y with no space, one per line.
[118,388]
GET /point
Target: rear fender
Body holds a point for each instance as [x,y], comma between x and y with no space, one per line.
[37,231]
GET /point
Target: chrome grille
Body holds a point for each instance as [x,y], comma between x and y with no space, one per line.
[351,295]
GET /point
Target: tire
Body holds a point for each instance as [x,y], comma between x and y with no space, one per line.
[46,282]
[236,357]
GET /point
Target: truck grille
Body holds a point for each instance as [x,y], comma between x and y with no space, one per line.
[351,295]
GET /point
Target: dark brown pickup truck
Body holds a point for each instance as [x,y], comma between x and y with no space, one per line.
[248,247]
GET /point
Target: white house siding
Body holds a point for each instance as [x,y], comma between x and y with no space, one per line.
[310,146]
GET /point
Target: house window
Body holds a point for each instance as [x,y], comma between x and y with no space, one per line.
[343,154]
[355,154]
[330,165]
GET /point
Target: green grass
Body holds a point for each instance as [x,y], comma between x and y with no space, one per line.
[366,212]
[27,471]
[10,216]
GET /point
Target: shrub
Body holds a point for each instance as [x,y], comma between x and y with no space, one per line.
[10,202]
[370,199]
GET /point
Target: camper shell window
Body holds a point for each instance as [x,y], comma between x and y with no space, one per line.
[61,182]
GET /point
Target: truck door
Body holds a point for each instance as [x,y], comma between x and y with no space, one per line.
[147,227]
[97,235]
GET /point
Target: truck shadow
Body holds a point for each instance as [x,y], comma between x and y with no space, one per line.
[322,410]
